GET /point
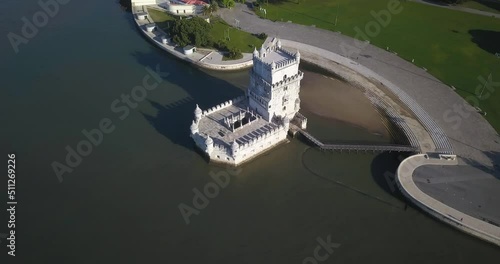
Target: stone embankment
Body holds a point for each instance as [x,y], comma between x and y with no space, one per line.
[204,58]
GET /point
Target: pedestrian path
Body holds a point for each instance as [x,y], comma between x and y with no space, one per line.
[455,218]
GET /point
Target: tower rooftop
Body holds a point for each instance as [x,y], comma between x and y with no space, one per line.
[277,56]
[214,126]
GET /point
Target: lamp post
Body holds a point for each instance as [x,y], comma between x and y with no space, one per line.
[337,15]
[484,86]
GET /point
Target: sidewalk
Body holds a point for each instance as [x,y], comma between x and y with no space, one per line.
[455,218]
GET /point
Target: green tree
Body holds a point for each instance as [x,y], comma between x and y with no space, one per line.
[194,31]
[207,10]
[214,6]
[234,54]
[228,3]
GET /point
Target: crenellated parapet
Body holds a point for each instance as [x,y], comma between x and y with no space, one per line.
[240,129]
[267,136]
[288,80]
[223,105]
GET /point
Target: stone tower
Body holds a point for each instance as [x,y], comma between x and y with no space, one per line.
[275,82]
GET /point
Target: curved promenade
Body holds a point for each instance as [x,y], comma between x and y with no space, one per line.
[472,138]
[204,58]
[437,135]
[443,212]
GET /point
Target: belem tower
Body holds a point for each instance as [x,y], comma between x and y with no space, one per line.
[240,129]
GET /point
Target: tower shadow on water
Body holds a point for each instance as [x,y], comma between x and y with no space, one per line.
[173,120]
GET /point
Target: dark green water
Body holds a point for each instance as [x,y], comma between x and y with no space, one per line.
[120,205]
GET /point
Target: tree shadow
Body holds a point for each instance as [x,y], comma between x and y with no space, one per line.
[126,5]
[173,120]
[491,4]
[487,40]
[493,170]
[383,170]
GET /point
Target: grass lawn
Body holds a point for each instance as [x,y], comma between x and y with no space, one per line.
[160,18]
[493,7]
[456,47]
[239,39]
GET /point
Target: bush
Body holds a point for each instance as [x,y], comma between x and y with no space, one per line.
[194,31]
[234,54]
[221,45]
[261,35]
[227,3]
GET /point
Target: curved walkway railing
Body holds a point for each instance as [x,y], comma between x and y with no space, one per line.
[437,135]
[356,147]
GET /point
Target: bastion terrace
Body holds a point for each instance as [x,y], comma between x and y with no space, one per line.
[234,123]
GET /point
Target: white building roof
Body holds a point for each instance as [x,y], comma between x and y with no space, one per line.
[213,125]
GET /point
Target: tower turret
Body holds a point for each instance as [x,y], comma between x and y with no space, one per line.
[234,147]
[255,52]
[197,113]
[194,128]
[210,144]
[286,122]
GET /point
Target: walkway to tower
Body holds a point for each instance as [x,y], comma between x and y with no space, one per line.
[354,147]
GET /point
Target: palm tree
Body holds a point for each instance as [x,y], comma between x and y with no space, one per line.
[214,6]
[207,10]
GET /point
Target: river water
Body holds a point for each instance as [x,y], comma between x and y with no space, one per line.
[120,204]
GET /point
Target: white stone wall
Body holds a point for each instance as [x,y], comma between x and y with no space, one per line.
[224,154]
[285,70]
[286,97]
[262,70]
[143,2]
[282,98]
[181,9]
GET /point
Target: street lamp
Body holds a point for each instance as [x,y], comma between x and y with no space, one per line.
[337,16]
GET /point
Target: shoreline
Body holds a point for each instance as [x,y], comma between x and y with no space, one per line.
[334,99]
[404,181]
[386,103]
[157,37]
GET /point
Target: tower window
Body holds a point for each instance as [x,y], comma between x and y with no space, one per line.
[286,88]
[284,108]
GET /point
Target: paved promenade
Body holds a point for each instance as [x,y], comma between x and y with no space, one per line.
[474,141]
[465,188]
[455,218]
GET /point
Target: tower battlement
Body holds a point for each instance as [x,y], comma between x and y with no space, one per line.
[240,129]
[273,58]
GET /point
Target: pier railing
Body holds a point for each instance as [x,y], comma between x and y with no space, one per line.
[356,147]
